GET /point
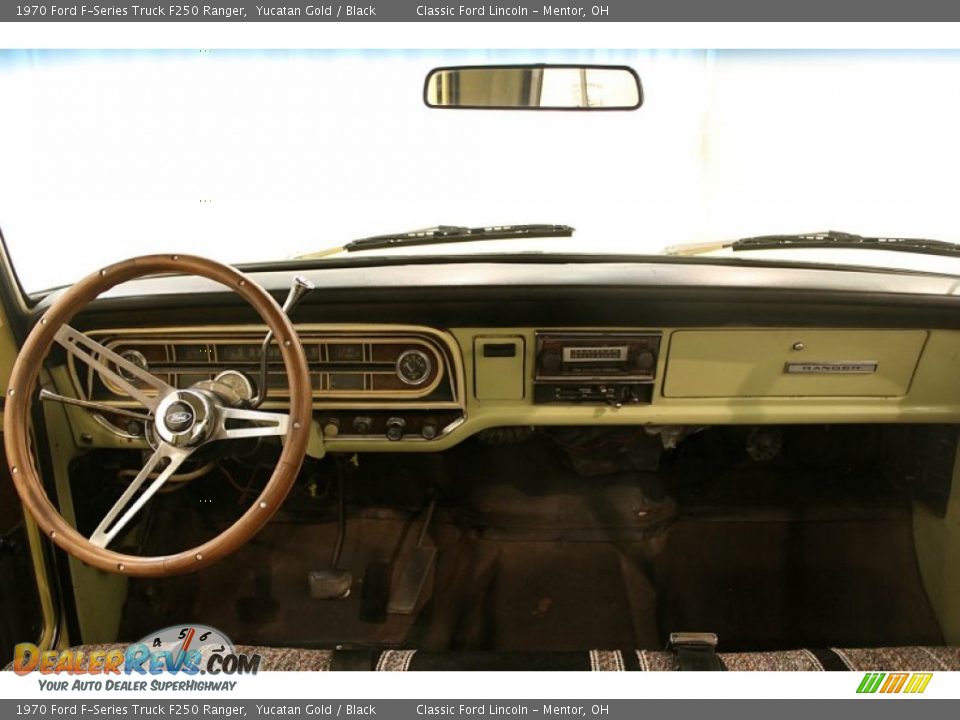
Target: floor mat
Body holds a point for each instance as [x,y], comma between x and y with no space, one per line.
[556,596]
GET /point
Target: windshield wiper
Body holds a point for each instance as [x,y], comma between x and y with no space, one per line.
[442,234]
[828,239]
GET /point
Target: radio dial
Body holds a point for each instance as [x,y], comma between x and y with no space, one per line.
[643,360]
[551,362]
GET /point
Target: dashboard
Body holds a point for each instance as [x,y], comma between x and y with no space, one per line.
[419,355]
[418,388]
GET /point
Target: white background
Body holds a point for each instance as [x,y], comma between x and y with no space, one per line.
[251,156]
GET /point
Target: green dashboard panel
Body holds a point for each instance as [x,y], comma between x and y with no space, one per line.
[785,363]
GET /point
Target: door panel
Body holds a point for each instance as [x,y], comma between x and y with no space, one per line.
[21,617]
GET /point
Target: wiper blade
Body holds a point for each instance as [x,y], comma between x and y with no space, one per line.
[833,238]
[453,233]
[444,234]
[828,239]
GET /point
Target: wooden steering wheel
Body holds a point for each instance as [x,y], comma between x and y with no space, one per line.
[183,420]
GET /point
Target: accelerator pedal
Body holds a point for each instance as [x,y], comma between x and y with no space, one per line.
[416,568]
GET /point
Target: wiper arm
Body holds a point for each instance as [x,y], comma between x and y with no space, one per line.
[828,239]
[442,234]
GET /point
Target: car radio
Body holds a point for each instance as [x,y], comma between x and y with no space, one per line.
[587,367]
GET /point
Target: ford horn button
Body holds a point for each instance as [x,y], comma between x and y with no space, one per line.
[179,417]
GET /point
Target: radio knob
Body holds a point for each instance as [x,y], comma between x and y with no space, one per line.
[395,428]
[429,430]
[551,362]
[644,360]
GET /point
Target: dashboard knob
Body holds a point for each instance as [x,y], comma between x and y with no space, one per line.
[644,360]
[395,428]
[551,362]
[361,425]
[429,430]
[331,428]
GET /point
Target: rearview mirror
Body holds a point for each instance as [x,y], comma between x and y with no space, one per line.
[534,87]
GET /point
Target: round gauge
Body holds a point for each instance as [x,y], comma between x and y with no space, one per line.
[134,357]
[413,367]
[237,382]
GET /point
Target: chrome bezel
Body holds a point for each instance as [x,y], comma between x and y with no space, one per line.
[426,374]
[135,357]
[246,391]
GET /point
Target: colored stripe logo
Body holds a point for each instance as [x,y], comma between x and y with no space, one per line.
[913,683]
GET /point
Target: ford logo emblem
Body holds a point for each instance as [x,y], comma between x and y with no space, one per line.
[179,417]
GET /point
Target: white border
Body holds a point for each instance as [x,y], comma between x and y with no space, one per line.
[468,35]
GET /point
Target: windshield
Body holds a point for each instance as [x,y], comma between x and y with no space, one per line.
[266,156]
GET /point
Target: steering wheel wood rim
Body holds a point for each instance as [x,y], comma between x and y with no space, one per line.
[24,379]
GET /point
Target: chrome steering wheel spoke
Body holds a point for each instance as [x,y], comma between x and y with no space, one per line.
[127,506]
[96,355]
[269,424]
[47,396]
